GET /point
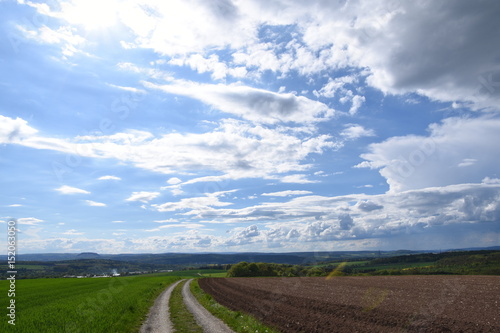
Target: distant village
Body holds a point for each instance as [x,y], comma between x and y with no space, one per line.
[116,274]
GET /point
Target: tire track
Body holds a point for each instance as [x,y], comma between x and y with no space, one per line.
[205,319]
[158,320]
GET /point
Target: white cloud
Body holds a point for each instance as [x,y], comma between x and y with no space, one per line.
[129,89]
[401,46]
[355,131]
[193,204]
[15,205]
[235,148]
[65,189]
[297,179]
[167,221]
[72,232]
[412,162]
[174,181]
[286,193]
[29,220]
[467,162]
[14,130]
[211,64]
[143,196]
[319,218]
[109,178]
[64,36]
[183,27]
[244,236]
[357,102]
[95,204]
[311,222]
[257,105]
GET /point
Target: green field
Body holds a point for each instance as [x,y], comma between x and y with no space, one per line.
[194,273]
[82,305]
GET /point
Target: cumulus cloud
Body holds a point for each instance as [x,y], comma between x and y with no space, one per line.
[192,204]
[29,220]
[14,130]
[143,196]
[174,181]
[257,105]
[452,153]
[244,236]
[94,203]
[65,189]
[236,149]
[355,131]
[318,220]
[63,36]
[109,178]
[401,46]
[368,206]
[297,179]
[345,222]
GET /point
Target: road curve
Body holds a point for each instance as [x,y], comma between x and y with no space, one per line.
[205,319]
[158,320]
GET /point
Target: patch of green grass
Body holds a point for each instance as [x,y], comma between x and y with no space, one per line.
[215,274]
[82,305]
[238,321]
[182,319]
[397,265]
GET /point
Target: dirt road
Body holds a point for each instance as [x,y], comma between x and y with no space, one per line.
[365,304]
[158,320]
[204,318]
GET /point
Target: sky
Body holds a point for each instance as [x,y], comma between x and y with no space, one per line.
[149,126]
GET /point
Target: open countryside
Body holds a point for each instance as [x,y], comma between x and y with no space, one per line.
[318,296]
[250,166]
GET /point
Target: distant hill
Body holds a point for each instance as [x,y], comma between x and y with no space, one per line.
[230,257]
[217,258]
[88,255]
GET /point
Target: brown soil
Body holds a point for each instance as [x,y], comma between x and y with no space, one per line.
[365,304]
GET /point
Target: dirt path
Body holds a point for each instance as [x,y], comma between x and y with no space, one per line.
[158,320]
[205,319]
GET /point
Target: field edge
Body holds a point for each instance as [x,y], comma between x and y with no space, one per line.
[239,321]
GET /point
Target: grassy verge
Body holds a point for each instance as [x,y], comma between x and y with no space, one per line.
[82,305]
[180,316]
[239,322]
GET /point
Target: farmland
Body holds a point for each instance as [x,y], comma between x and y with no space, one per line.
[365,304]
[84,305]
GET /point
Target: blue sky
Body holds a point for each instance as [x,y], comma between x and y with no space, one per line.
[185,126]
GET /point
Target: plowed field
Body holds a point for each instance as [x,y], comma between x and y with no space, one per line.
[365,304]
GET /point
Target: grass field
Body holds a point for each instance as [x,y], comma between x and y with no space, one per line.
[82,305]
[195,273]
